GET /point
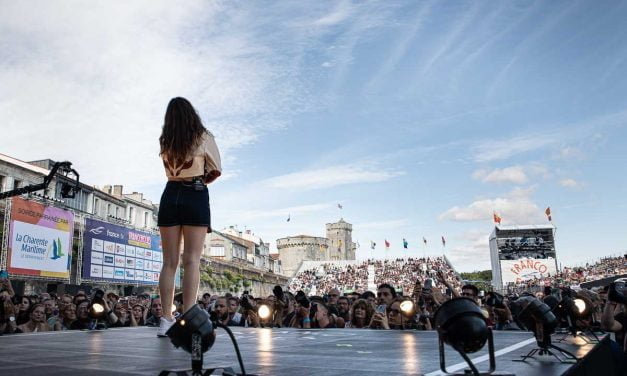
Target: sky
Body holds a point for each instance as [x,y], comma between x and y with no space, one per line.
[421,118]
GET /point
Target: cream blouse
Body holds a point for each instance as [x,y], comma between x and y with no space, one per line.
[203,161]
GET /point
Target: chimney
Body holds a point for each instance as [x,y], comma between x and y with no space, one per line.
[117,190]
[107,189]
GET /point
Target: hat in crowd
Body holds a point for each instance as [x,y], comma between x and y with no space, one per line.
[111,293]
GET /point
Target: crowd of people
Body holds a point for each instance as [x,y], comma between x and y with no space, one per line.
[400,273]
[432,284]
[605,267]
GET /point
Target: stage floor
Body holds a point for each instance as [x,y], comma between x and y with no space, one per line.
[137,351]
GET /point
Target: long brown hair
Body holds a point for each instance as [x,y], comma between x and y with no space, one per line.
[182,129]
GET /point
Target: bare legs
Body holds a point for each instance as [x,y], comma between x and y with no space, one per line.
[171,243]
[193,238]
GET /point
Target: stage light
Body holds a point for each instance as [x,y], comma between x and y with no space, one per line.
[195,333]
[461,325]
[580,305]
[533,315]
[407,307]
[97,306]
[264,311]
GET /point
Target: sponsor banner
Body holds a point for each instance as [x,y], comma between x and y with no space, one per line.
[527,268]
[40,240]
[119,254]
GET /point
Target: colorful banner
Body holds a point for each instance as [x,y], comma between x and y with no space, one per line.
[118,254]
[40,240]
[527,268]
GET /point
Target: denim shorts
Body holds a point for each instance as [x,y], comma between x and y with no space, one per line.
[182,205]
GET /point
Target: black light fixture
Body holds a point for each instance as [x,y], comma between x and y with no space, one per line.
[96,309]
[575,313]
[460,323]
[533,315]
[195,333]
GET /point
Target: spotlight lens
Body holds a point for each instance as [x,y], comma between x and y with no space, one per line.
[580,305]
[264,311]
[173,308]
[98,308]
[407,306]
[182,322]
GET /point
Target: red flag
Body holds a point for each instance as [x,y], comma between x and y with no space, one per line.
[497,219]
[548,213]
[443,242]
[387,244]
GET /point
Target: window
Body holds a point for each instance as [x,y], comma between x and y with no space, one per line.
[108,209]
[96,206]
[131,212]
[145,219]
[2,179]
[17,183]
[117,212]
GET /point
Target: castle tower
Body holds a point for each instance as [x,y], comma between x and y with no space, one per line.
[340,235]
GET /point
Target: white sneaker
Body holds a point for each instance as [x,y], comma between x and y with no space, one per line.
[164,326]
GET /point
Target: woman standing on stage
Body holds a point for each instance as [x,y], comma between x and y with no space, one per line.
[192,160]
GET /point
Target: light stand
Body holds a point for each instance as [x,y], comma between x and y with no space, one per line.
[461,324]
[533,315]
[67,190]
[195,333]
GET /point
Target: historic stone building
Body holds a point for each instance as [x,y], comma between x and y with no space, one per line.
[338,245]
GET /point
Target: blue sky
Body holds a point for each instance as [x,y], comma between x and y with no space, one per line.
[420,118]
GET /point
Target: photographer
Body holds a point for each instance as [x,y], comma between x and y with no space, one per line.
[7,314]
[499,314]
[614,318]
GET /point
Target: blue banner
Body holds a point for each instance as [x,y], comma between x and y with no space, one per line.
[118,254]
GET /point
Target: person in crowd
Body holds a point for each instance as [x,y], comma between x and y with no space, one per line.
[156,313]
[323,318]
[79,298]
[23,310]
[52,312]
[112,298]
[614,318]
[343,308]
[205,301]
[8,310]
[470,291]
[360,314]
[82,322]
[385,294]
[37,322]
[68,316]
[121,317]
[138,315]
[370,297]
[192,160]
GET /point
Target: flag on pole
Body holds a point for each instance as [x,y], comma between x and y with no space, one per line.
[372,245]
[405,244]
[387,244]
[548,213]
[339,206]
[497,219]
[443,241]
[288,218]
[424,240]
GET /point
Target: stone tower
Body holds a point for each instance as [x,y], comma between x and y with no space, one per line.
[341,246]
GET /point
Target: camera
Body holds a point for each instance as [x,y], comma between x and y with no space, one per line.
[618,291]
[494,299]
[99,294]
[245,303]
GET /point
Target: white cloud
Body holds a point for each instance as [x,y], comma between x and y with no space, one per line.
[471,251]
[570,183]
[330,177]
[492,150]
[90,82]
[517,207]
[514,174]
